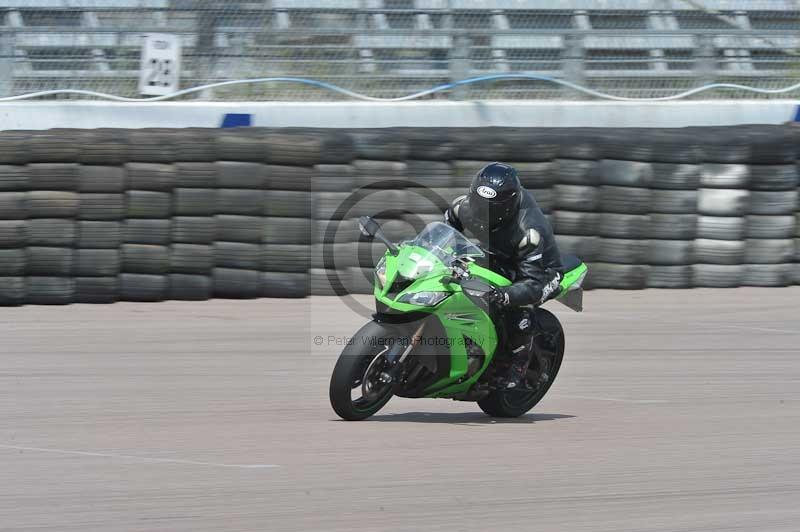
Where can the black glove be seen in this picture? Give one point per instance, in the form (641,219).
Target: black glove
(497,297)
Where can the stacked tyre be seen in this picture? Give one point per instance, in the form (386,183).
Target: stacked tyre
(770,226)
(747,205)
(39,204)
(673,224)
(577,207)
(334,231)
(371,184)
(145,215)
(148,215)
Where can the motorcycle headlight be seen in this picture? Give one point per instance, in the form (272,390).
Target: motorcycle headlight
(424,299)
(380,272)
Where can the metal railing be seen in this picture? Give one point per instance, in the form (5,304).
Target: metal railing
(390,48)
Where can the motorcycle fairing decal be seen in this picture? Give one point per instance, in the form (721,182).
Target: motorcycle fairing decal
(466,318)
(550,287)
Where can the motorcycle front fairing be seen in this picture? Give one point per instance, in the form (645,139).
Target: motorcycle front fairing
(413,283)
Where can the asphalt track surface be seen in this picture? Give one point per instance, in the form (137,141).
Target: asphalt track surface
(674,411)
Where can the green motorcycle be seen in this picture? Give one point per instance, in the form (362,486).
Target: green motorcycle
(434,335)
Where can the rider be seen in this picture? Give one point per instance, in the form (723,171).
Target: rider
(519,241)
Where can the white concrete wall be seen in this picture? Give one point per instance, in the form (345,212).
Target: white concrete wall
(45,115)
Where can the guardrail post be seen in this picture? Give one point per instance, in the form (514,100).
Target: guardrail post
(705,60)
(460,64)
(205,51)
(6,63)
(573,65)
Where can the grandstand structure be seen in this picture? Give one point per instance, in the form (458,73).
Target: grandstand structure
(390,48)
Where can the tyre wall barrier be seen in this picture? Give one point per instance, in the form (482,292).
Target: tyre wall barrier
(97,216)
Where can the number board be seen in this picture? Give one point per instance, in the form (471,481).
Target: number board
(161,64)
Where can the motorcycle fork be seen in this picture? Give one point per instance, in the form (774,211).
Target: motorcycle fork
(396,358)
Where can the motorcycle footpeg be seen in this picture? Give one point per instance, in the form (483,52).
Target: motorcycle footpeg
(502,387)
(520,389)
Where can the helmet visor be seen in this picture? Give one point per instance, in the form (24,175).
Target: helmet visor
(491,214)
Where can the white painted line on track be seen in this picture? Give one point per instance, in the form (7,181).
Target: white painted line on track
(705,325)
(760,329)
(612,399)
(131,457)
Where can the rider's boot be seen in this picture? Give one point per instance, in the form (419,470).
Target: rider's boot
(515,378)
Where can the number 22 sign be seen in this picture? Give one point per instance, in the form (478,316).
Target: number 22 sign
(161,63)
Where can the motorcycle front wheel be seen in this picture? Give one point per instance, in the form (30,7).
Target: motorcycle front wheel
(356,390)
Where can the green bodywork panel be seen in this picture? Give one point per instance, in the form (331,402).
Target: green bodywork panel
(459,316)
(488,275)
(571,278)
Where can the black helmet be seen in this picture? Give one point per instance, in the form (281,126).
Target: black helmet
(494,197)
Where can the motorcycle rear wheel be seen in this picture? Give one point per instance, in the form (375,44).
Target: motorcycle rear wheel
(551,345)
(358,368)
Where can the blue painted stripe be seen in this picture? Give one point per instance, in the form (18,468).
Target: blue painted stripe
(237,120)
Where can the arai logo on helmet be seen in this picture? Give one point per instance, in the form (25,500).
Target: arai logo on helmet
(486,192)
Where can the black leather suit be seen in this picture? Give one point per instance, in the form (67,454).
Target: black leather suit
(531,260)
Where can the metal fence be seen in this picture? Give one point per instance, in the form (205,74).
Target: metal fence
(390,48)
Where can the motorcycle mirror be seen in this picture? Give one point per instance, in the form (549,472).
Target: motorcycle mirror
(368,226)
